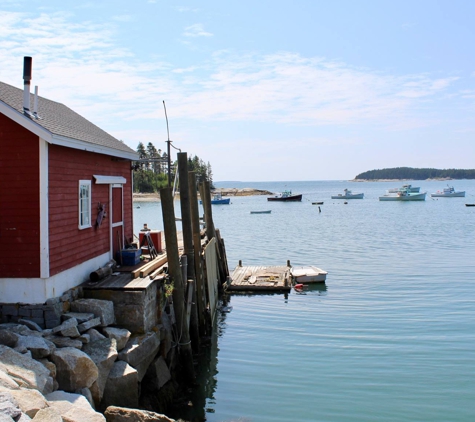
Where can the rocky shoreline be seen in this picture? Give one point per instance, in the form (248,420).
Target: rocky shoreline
(82,370)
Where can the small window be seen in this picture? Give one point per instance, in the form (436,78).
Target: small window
(84,204)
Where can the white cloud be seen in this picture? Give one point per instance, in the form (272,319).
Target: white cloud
(81,65)
(196,30)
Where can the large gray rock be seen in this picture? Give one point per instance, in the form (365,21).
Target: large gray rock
(6,381)
(49,365)
(66,325)
(122,414)
(103,353)
(62,342)
(158,373)
(75,369)
(29,401)
(30,324)
(8,338)
(48,415)
(94,334)
(80,317)
(38,346)
(9,406)
(122,386)
(140,348)
(73,407)
(121,335)
(20,329)
(100,308)
(87,325)
(26,372)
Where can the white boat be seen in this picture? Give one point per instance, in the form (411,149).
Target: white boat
(348,195)
(404,194)
(448,192)
(309,274)
(410,188)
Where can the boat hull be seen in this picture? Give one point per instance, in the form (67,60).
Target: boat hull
(448,195)
(307,275)
(409,197)
(353,196)
(261,212)
(292,198)
(219,201)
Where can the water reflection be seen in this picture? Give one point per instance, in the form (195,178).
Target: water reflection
(319,289)
(201,398)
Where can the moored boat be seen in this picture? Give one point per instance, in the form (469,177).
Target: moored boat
(448,192)
(286,195)
(308,274)
(348,195)
(219,200)
(404,194)
(410,188)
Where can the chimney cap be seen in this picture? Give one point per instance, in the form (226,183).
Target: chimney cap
(27,60)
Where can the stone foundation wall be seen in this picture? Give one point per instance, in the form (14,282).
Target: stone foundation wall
(46,315)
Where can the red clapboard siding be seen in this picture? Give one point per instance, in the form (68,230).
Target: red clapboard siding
(70,246)
(19,201)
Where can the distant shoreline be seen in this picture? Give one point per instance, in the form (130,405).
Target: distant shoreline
(402,180)
(155,197)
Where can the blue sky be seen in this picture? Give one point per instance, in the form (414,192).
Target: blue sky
(263,90)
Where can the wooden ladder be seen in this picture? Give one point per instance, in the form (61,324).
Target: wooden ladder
(148,242)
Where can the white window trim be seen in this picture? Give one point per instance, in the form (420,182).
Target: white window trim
(108,180)
(84,183)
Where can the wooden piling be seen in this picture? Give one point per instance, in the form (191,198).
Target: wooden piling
(188,244)
(171,243)
(211,232)
(195,225)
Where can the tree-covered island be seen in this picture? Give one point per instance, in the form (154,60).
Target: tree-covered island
(409,173)
(151,171)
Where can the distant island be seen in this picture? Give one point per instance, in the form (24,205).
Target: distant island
(409,173)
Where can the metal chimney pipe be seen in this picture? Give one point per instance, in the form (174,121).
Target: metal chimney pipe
(26,78)
(35,103)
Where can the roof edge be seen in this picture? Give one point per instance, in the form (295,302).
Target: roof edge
(87,146)
(49,137)
(25,121)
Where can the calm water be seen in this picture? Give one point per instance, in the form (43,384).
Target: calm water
(391,337)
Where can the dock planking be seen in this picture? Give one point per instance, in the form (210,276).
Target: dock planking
(260,278)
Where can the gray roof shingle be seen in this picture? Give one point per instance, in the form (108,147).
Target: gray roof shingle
(61,120)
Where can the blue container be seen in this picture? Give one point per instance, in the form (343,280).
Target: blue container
(130,257)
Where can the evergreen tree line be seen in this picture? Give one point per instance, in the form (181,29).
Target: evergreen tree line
(416,174)
(151,174)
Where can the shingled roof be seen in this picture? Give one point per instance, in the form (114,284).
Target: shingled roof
(64,124)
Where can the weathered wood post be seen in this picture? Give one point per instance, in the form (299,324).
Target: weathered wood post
(188,244)
(206,200)
(171,243)
(211,232)
(195,225)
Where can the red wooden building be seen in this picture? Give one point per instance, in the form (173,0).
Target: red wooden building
(57,172)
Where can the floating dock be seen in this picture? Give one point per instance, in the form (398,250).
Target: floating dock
(260,278)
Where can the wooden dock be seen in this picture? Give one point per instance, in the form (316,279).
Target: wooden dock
(260,278)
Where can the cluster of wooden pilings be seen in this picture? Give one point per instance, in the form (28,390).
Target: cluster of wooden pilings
(194,290)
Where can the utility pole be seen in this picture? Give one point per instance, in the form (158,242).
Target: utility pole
(168,149)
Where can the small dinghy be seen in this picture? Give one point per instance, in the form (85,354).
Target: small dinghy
(309,274)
